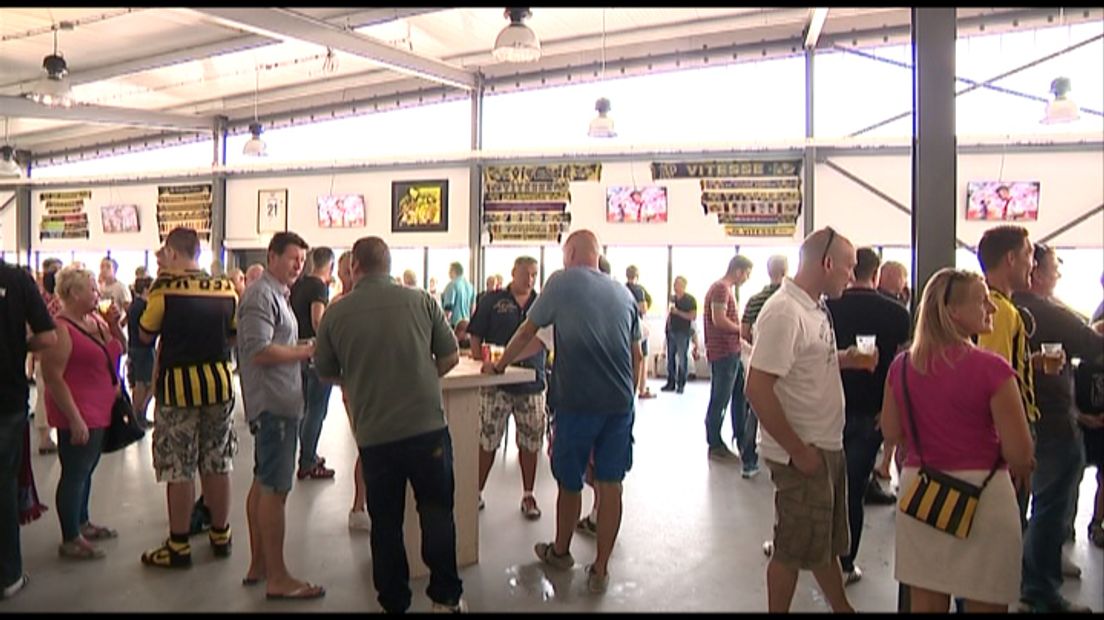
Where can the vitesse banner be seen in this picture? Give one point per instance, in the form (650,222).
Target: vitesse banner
(187,206)
(529,203)
(493,175)
(65,217)
(722,169)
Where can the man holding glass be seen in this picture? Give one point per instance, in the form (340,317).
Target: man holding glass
(877,324)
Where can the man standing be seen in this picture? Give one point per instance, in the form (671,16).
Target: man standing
(194,315)
(401,433)
(726,369)
(893,282)
(494,284)
(1006,257)
(21,306)
(110,287)
(598,361)
(795,387)
(643,302)
(458,298)
(1059,454)
(496,319)
(777,266)
(272,384)
(309,296)
(861,310)
(683,311)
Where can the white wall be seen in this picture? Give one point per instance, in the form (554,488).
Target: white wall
(303,192)
(8,223)
(686,223)
(145,196)
(1071,184)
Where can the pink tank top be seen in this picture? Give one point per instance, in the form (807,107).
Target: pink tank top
(87,376)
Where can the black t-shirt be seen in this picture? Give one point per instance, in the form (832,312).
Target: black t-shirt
(497,316)
(865,311)
(677,324)
(134,317)
(640,294)
(307,290)
(20,305)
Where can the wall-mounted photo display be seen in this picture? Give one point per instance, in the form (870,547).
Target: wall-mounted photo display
(187,206)
(272,213)
(419,206)
(64,217)
(341,211)
(120,218)
(636,205)
(538,221)
(529,202)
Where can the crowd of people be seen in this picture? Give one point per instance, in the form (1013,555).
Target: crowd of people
(989,395)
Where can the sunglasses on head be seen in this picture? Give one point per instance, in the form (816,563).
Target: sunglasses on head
(828,246)
(955,275)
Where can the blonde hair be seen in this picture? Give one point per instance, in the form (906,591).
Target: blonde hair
(70,279)
(936,331)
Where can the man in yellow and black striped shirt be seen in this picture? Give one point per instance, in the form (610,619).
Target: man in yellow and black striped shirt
(193,313)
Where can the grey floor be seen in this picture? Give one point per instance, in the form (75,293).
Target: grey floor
(690,540)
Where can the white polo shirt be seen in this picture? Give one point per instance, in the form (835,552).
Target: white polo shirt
(794,340)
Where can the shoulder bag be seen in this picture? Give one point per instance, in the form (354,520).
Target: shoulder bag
(124,429)
(942,501)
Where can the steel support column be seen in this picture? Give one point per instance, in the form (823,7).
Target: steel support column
(475,187)
(809,165)
(933,140)
(23,222)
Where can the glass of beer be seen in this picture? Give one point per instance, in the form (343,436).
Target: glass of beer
(496,353)
(1052,357)
(866,346)
(104,306)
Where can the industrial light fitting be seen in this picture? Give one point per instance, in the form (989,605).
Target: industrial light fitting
(602,125)
(517,42)
(255,147)
(9,168)
(53,89)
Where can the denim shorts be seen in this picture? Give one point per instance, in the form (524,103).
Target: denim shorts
(577,435)
(140,364)
(275,439)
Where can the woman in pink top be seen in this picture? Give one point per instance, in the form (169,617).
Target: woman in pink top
(969,416)
(80,393)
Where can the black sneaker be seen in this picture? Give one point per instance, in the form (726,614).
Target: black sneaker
(670,387)
(679,389)
(875,494)
(201,518)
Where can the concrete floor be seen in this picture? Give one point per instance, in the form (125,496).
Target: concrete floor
(690,540)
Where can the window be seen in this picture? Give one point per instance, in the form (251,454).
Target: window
(701,266)
(1080,284)
(500,260)
(90,260)
(845,99)
(553,261)
(395,132)
(759,256)
(65,257)
(651,261)
(197,154)
(412,259)
(900,255)
(439,261)
(965,259)
(128,261)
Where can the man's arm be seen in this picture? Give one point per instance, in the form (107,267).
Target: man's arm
(256,327)
(42,329)
(638,362)
(42,340)
(316,309)
(517,345)
(721,321)
(447,363)
(761,396)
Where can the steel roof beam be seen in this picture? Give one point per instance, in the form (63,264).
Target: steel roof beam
(21,107)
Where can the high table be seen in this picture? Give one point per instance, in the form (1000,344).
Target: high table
(460,388)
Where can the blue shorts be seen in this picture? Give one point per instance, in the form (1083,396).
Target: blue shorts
(578,435)
(275,439)
(140,362)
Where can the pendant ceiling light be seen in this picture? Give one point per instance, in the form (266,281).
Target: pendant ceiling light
(9,168)
(255,147)
(53,89)
(602,125)
(517,42)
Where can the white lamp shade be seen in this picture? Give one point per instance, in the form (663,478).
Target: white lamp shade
(9,169)
(255,147)
(52,92)
(1062,110)
(517,43)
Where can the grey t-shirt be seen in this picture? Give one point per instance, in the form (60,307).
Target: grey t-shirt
(381,340)
(265,317)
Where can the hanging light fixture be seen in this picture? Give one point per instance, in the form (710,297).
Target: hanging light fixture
(517,42)
(9,168)
(602,125)
(53,89)
(1062,109)
(255,147)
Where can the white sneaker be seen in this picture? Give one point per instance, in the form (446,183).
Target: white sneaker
(1069,569)
(359,520)
(14,588)
(441,608)
(852,576)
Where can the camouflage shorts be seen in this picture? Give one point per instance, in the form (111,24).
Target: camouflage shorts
(495,407)
(185,439)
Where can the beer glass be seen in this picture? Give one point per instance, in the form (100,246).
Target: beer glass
(1052,357)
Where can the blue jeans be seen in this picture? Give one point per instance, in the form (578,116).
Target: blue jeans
(727,388)
(1059,463)
(75,484)
(13,425)
(678,347)
(426,462)
(861,441)
(316,398)
(274,439)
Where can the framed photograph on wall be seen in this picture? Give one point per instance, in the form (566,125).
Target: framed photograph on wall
(272,214)
(419,206)
(120,218)
(341,211)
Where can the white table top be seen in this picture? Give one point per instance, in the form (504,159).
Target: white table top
(467,374)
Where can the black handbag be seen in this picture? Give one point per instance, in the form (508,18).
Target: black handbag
(942,501)
(124,429)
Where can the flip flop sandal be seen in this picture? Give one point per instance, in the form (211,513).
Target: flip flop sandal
(98,532)
(76,551)
(252,581)
(306,592)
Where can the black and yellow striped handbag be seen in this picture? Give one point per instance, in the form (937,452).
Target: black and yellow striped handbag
(942,501)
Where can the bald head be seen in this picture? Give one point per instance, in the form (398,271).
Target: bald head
(582,250)
(827,263)
(893,278)
(371,256)
(253,273)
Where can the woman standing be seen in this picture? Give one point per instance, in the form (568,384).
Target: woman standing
(966,408)
(80,393)
(358,515)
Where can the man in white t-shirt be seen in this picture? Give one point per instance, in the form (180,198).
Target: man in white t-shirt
(794,386)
